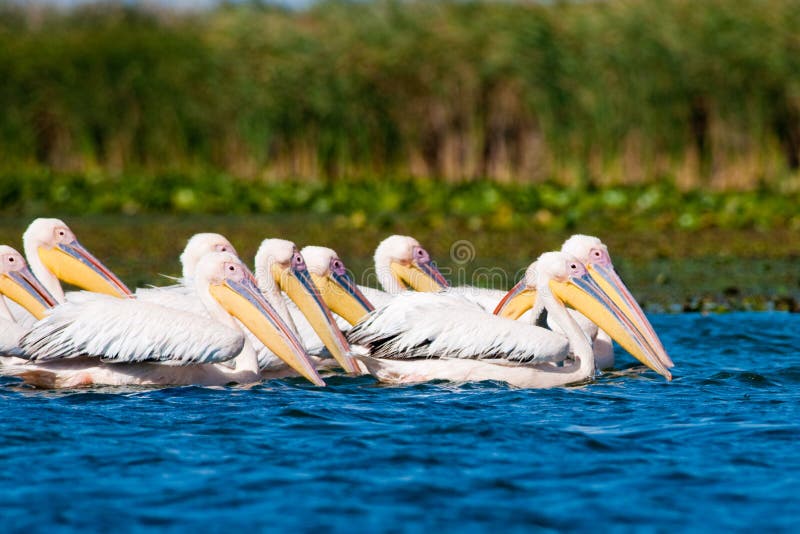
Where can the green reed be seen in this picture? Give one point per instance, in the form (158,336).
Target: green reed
(697,94)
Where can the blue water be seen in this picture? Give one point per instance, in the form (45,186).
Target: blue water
(719,447)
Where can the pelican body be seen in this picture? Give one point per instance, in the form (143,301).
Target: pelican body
(594,255)
(128,342)
(410,342)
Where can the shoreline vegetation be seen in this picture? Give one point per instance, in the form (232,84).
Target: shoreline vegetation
(705,270)
(700,95)
(482,205)
(670,129)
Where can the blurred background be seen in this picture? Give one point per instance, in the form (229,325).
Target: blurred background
(670,128)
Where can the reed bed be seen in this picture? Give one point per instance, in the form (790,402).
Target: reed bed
(702,95)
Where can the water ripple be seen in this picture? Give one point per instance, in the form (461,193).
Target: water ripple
(715,448)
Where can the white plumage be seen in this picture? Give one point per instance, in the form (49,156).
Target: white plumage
(128,331)
(183,297)
(426,325)
(10,334)
(419,337)
(123,337)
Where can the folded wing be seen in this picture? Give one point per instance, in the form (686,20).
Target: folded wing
(425,325)
(125,331)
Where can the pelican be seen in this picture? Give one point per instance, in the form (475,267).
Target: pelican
(18,284)
(593,253)
(421,337)
(54,254)
(279,266)
(183,298)
(401,263)
(108,341)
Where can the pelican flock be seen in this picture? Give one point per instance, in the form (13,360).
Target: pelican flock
(301,313)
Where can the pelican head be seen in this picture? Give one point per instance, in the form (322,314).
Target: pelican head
(234,288)
(594,254)
(400,262)
(279,263)
(562,275)
(198,246)
(18,283)
(335,284)
(54,254)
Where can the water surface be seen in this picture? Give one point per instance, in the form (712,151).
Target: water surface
(715,448)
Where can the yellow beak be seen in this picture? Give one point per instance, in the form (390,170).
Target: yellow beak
(297,283)
(244,301)
(419,276)
(586,296)
(607,278)
(343,296)
(73,264)
(24,288)
(517,301)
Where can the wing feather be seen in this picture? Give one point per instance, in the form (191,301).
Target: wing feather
(177,297)
(120,330)
(424,325)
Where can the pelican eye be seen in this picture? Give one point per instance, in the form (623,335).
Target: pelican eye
(11,259)
(337,267)
(421,255)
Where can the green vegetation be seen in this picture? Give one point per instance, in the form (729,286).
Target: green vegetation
(703,270)
(481,205)
(671,129)
(694,94)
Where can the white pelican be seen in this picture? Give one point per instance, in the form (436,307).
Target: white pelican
(421,337)
(18,284)
(280,266)
(183,298)
(54,254)
(594,255)
(402,263)
(106,341)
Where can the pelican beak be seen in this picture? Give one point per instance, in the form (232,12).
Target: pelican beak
(586,296)
(608,279)
(420,275)
(296,281)
(72,263)
(342,296)
(520,299)
(25,289)
(244,301)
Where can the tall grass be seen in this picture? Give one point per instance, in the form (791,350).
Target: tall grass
(704,94)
